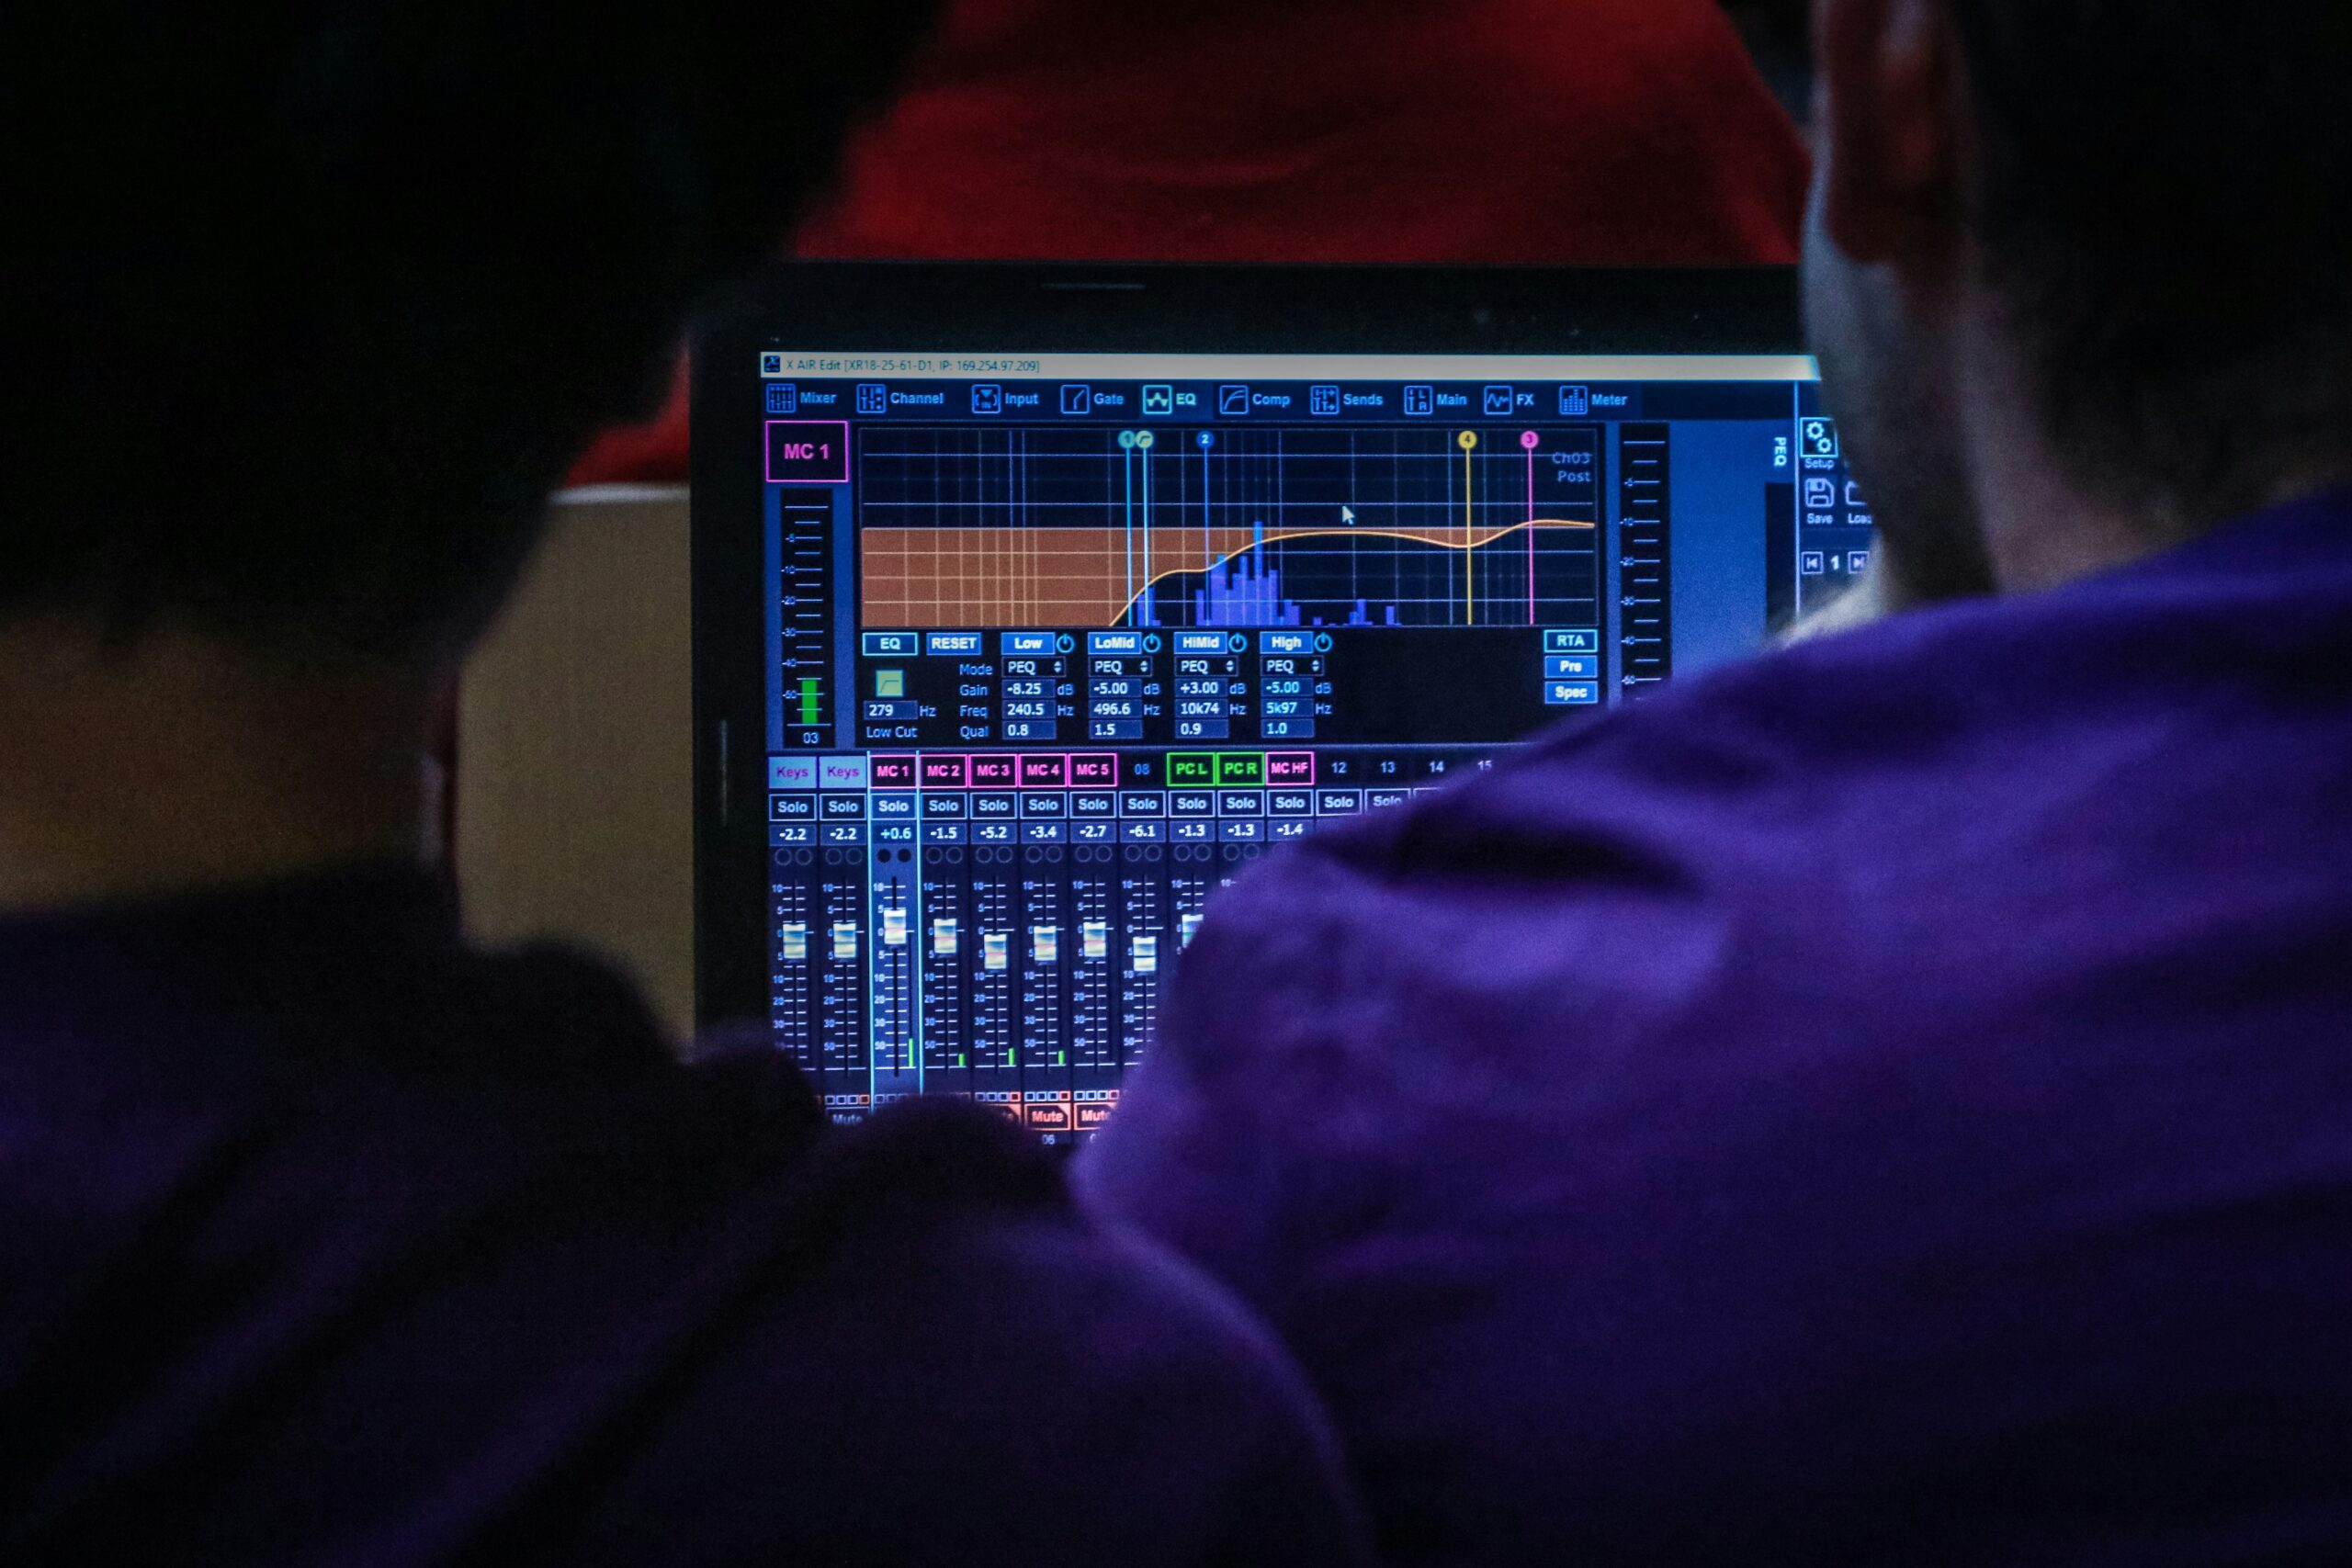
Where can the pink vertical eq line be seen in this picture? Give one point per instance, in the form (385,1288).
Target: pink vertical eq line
(1531,441)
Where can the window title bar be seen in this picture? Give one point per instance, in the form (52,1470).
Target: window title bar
(1302,366)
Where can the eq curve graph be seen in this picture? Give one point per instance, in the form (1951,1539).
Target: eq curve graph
(1285,527)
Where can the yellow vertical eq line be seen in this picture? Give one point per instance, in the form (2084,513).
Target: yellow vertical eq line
(1469,532)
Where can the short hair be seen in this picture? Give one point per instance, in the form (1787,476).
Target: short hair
(311,305)
(2166,200)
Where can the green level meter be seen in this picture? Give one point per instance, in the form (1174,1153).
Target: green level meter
(1244,770)
(808,703)
(1192,770)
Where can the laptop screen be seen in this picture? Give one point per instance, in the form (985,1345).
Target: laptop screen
(1055,644)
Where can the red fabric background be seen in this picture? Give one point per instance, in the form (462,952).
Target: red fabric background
(1564,132)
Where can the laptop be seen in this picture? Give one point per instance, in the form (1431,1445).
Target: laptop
(1032,604)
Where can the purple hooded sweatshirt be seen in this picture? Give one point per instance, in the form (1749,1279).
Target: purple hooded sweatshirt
(326,1240)
(1889,1103)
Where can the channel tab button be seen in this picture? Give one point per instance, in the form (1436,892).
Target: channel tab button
(1045,772)
(844,773)
(1246,770)
(1290,768)
(1192,768)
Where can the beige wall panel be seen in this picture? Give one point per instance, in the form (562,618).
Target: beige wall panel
(576,776)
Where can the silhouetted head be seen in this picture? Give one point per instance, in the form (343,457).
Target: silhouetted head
(309,306)
(2081,248)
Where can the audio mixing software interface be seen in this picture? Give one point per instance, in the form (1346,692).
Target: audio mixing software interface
(1057,644)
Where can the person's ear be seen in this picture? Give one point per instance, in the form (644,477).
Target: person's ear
(1889,113)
